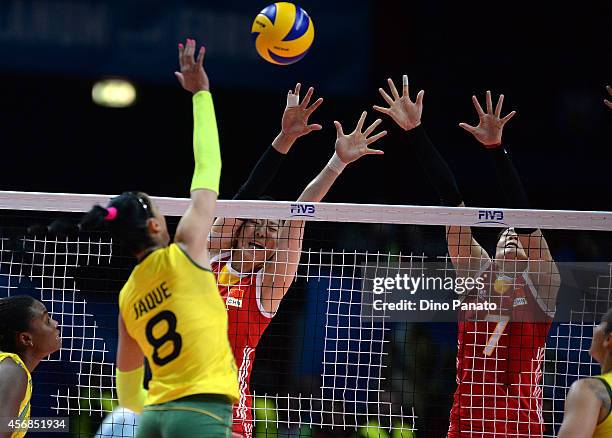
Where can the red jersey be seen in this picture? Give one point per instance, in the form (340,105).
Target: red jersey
(499,360)
(247,320)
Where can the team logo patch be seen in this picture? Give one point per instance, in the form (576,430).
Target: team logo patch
(234,297)
(519,301)
(503,284)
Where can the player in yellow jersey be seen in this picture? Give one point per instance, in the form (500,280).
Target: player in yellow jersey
(588,407)
(28,334)
(171,312)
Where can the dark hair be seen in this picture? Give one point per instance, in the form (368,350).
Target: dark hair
(499,234)
(127,223)
(607,318)
(15,316)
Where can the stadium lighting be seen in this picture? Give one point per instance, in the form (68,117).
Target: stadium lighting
(113,93)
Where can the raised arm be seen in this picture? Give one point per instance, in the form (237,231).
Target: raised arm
(279,272)
(543,270)
(294,124)
(194,226)
(466,254)
(606,101)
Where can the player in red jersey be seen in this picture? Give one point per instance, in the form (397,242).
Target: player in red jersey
(500,353)
(256,260)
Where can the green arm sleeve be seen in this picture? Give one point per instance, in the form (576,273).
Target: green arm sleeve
(206,150)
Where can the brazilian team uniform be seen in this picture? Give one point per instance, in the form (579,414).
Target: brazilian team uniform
(604,429)
(172,308)
(24,406)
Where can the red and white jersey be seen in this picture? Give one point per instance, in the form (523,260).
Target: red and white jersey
(247,321)
(499,360)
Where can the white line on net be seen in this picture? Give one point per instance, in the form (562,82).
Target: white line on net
(365,213)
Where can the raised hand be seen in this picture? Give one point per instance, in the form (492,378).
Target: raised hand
(405,112)
(192,76)
(355,145)
(606,101)
(295,118)
(490,124)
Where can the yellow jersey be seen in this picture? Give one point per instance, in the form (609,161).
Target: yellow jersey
(24,406)
(604,429)
(172,308)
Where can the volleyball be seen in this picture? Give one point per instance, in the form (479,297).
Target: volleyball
(283,33)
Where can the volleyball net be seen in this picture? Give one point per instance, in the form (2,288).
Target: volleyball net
(344,355)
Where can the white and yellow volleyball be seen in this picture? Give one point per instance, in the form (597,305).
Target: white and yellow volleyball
(283,33)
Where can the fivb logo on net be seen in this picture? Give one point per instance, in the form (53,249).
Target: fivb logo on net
(302,210)
(491,217)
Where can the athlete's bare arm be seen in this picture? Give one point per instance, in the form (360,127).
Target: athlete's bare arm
(129,354)
(13,385)
(294,124)
(587,404)
(280,271)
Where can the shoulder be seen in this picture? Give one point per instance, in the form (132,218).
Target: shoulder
(589,388)
(12,373)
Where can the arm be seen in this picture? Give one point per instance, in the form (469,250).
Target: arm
(606,101)
(13,385)
(130,371)
(466,254)
(489,134)
(194,226)
(279,272)
(582,409)
(294,125)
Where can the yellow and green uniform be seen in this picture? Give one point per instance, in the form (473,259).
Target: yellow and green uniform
(173,309)
(24,406)
(604,429)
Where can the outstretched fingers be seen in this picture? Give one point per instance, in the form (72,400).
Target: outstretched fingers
(419,98)
(339,131)
(314,106)
(181,53)
(375,138)
(477,106)
(385,96)
(405,89)
(372,127)
(314,127)
(489,103)
(508,117)
(361,121)
(381,109)
(189,52)
(394,92)
(498,107)
(200,59)
(307,97)
(469,128)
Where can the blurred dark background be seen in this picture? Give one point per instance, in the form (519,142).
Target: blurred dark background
(551,62)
